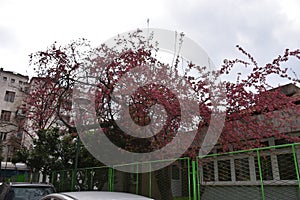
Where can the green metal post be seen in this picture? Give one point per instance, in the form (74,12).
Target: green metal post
(53,174)
(85,176)
(62,173)
(92,177)
(198,177)
(110,177)
(260,176)
(189,178)
(76,163)
(137,179)
(150,180)
(73,180)
(194,180)
(296,165)
(113,180)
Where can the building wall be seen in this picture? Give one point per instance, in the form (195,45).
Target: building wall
(13,87)
(285,192)
(240,177)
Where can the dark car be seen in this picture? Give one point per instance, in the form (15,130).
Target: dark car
(25,191)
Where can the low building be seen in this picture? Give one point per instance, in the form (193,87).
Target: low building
(268,172)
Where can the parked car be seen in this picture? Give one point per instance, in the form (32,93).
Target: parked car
(94,195)
(25,191)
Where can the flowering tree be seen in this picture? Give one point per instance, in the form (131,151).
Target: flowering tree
(249,101)
(254,109)
(49,100)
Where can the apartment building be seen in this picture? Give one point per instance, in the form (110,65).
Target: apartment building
(13,89)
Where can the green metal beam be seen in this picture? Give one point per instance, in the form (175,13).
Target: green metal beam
(296,165)
(137,179)
(110,179)
(189,179)
(251,150)
(150,180)
(260,176)
(194,180)
(198,178)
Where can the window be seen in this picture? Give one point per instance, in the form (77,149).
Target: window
(20,113)
(30,192)
(5,115)
(3,136)
(26,89)
(224,170)
(281,141)
(175,172)
(10,96)
(286,165)
(242,171)
(266,168)
(208,171)
(4,78)
(20,82)
(19,134)
(264,143)
(12,80)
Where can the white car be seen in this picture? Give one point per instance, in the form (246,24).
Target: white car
(94,195)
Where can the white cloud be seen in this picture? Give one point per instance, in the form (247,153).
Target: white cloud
(264,27)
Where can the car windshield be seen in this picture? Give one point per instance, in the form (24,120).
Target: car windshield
(30,193)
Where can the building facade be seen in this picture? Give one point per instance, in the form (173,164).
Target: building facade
(269,172)
(13,89)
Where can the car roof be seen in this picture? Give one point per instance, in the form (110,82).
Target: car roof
(25,184)
(99,195)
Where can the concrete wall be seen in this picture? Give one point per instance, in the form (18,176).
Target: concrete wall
(251,192)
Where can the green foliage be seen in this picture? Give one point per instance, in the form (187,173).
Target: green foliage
(54,151)
(20,156)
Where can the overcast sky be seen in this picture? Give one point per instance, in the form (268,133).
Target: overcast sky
(263,27)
